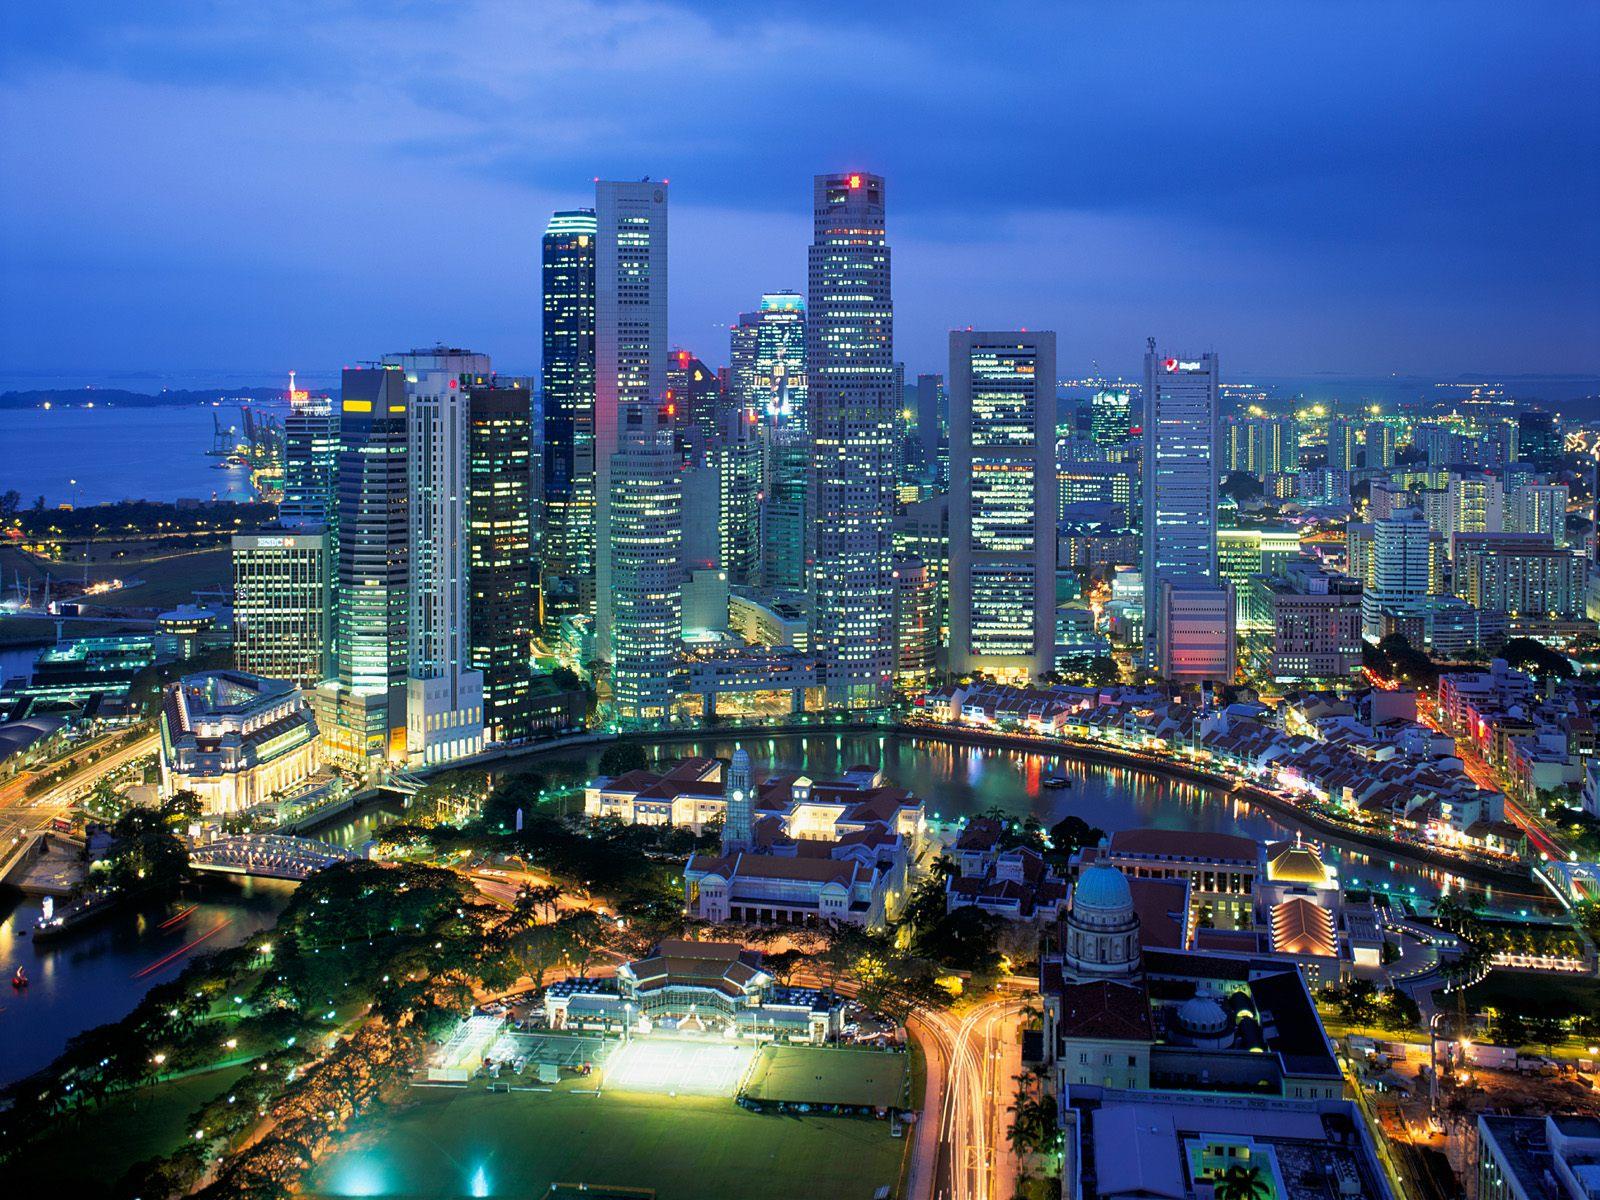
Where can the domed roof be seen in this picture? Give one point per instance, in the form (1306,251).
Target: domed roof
(1202,1016)
(1101,887)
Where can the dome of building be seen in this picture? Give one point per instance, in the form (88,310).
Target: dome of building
(1202,1017)
(1101,927)
(1102,888)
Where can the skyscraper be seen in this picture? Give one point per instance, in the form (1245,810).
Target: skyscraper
(647,575)
(933,420)
(777,400)
(444,700)
(310,464)
(630,344)
(779,381)
(501,567)
(282,602)
(853,402)
(744,337)
(694,396)
(361,710)
(568,512)
(1110,416)
(1180,482)
(1002,503)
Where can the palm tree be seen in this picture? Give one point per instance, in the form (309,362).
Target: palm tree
(1240,1183)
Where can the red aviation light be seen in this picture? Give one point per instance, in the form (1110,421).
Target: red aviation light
(855,181)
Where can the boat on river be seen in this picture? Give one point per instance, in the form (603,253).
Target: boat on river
(20,979)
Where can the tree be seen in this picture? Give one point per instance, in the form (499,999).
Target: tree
(966,940)
(622,757)
(1536,658)
(1071,834)
(1033,1122)
(1240,1182)
(1241,486)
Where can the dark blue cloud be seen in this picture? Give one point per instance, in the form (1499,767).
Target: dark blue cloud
(1362,187)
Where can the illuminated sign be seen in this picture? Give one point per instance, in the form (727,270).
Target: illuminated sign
(1179,364)
(855,181)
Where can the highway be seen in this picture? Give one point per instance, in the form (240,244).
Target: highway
(21,815)
(981,1056)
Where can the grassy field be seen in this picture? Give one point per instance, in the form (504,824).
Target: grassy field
(453,1142)
(167,577)
(141,1124)
(817,1075)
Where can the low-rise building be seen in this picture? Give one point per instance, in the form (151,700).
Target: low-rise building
(236,740)
(696,987)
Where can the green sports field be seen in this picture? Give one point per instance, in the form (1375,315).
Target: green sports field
(820,1075)
(448,1142)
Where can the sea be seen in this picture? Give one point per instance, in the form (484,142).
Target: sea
(79,455)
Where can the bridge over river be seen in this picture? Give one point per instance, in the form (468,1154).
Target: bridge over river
(268,855)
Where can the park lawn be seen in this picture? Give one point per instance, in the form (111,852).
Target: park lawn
(166,580)
(1528,993)
(452,1142)
(84,1156)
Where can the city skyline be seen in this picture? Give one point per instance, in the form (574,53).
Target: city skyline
(1429,178)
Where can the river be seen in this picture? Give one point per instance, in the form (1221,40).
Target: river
(94,977)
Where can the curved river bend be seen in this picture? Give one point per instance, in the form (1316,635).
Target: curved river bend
(98,976)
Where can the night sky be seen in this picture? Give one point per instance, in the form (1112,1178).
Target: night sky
(1356,188)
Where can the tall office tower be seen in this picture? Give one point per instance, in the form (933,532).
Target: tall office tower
(566,542)
(361,709)
(916,623)
(1343,447)
(503,599)
(1002,503)
(1539,438)
(310,464)
(735,456)
(630,345)
(647,574)
(853,403)
(1538,508)
(282,593)
(1378,440)
(933,420)
(779,381)
(744,338)
(1111,416)
(1400,574)
(444,694)
(1180,482)
(694,396)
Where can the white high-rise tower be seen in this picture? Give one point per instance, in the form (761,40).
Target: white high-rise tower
(1180,486)
(444,696)
(630,345)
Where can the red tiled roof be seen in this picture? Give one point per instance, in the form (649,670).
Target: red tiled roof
(1106,1011)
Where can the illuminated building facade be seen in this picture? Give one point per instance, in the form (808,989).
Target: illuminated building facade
(567,537)
(694,396)
(647,578)
(361,710)
(310,465)
(1400,573)
(854,409)
(444,695)
(1180,482)
(1002,503)
(916,624)
(630,345)
(1111,416)
(282,604)
(501,568)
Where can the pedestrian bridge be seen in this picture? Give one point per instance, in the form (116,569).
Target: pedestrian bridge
(269,856)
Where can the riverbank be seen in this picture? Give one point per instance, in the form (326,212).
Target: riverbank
(1480,871)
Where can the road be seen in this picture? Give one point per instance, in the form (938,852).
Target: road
(1478,771)
(982,1055)
(21,815)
